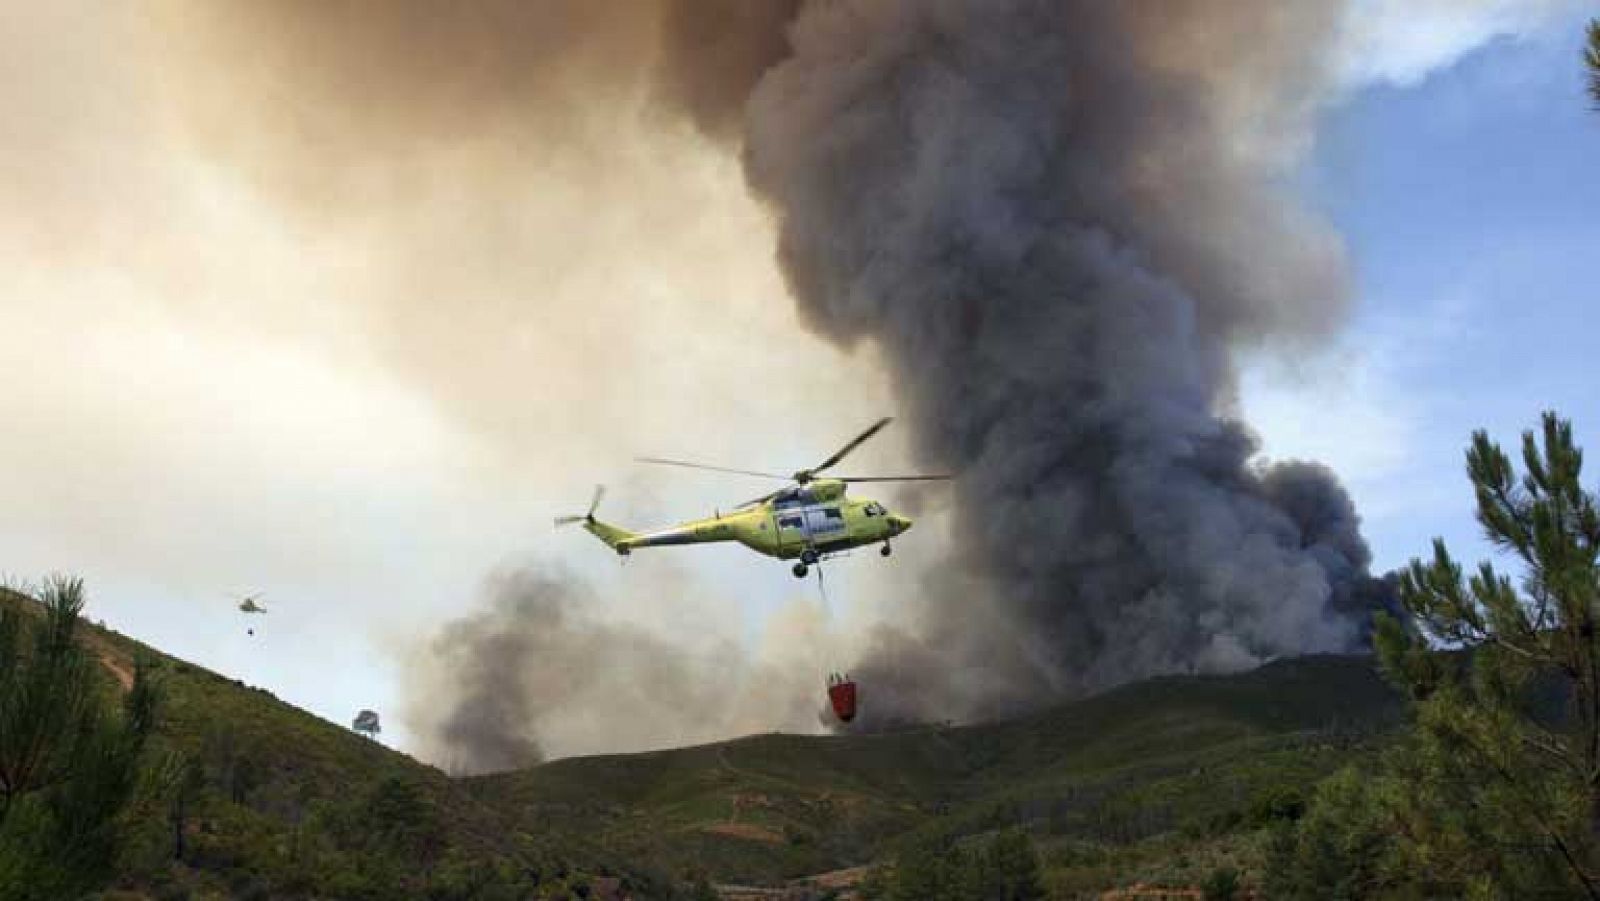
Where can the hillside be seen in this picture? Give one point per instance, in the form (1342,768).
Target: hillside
(1196,761)
(1157,781)
(287,804)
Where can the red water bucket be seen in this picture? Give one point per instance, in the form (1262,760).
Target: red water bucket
(842,695)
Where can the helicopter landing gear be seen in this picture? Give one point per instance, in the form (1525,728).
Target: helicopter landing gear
(809,557)
(800,570)
(886,550)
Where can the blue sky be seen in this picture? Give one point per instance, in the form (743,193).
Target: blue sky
(1469,205)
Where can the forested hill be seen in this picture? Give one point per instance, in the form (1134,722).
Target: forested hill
(1115,782)
(1162,781)
(279,803)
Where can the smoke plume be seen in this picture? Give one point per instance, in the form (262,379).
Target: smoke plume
(1058,220)
(1054,221)
(535,669)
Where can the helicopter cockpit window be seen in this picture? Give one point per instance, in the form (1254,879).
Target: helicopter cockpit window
(874,509)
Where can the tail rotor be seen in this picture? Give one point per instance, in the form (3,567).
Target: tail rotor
(594,504)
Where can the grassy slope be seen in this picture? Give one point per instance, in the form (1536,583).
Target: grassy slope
(1197,756)
(300,765)
(1157,780)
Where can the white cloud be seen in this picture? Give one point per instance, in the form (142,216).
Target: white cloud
(1402,42)
(1342,409)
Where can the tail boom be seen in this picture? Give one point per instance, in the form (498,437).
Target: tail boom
(717,528)
(615,537)
(625,542)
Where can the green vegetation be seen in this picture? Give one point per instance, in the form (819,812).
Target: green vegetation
(239,795)
(1006,869)
(1523,724)
(1591,56)
(1171,782)
(70,756)
(1164,782)
(1494,791)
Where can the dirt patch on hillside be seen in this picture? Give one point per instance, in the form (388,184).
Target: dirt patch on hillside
(121,673)
(746,831)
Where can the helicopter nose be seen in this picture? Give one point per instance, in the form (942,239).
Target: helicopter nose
(899,524)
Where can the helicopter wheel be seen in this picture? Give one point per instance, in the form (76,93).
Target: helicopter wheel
(808,557)
(800,570)
(886,550)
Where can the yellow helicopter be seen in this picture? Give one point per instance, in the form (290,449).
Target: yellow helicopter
(810,520)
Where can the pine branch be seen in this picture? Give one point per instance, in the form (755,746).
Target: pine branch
(1591,56)
(1591,887)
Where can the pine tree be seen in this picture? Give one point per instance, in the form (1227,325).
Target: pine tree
(1221,885)
(185,779)
(918,874)
(1006,869)
(70,760)
(1341,850)
(1591,55)
(1013,868)
(1502,772)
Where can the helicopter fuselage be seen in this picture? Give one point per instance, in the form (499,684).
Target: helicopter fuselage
(811,519)
(807,521)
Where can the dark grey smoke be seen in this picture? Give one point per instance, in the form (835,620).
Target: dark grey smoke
(537,668)
(1058,220)
(487,725)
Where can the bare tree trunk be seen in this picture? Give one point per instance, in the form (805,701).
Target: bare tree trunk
(179,816)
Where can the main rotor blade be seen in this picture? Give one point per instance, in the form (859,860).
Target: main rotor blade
(859,439)
(895,478)
(599,494)
(569,520)
(687,465)
(760,500)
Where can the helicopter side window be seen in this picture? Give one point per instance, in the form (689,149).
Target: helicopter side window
(789,522)
(833,514)
(874,509)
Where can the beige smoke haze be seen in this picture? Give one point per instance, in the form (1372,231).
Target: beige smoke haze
(507,186)
(347,303)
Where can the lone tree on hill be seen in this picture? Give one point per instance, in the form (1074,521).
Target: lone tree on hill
(1507,739)
(366,722)
(70,760)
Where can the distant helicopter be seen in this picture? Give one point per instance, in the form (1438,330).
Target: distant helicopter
(811,519)
(249,603)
